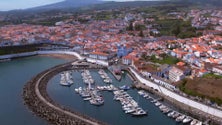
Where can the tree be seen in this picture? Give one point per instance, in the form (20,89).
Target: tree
(130,27)
(176,31)
(141,33)
(139,27)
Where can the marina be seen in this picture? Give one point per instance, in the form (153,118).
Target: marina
(143,112)
(92,94)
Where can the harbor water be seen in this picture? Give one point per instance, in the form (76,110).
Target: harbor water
(13,76)
(111,111)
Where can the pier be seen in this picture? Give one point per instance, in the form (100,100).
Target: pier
(117,77)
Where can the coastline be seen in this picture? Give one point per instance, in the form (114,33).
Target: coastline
(60,56)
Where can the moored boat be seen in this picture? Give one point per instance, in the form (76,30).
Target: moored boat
(125,87)
(87,99)
(66,79)
(175,115)
(187,119)
(195,122)
(170,114)
(180,118)
(139,112)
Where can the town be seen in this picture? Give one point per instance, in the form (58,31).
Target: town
(173,50)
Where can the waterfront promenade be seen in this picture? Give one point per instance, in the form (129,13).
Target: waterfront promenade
(37,99)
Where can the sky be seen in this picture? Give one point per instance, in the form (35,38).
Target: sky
(6,5)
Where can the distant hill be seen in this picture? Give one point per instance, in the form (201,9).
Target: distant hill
(128,4)
(215,3)
(67,4)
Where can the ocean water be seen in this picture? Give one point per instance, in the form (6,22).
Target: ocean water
(13,76)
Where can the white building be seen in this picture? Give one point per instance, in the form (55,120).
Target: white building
(100,55)
(217,69)
(163,82)
(176,74)
(127,60)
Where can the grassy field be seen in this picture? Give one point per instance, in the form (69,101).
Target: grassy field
(166,60)
(212,76)
(204,88)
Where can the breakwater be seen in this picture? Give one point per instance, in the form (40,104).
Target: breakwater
(38,101)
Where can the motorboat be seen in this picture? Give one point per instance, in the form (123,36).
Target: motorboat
(87,99)
(195,122)
(157,104)
(170,114)
(125,87)
(175,115)
(187,119)
(139,112)
(180,118)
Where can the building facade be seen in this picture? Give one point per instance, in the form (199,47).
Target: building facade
(217,69)
(176,74)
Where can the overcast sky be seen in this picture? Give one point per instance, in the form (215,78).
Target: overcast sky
(23,4)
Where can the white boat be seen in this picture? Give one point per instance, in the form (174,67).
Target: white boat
(87,99)
(195,122)
(139,112)
(141,92)
(96,102)
(76,90)
(180,118)
(157,104)
(154,101)
(66,79)
(187,119)
(166,110)
(130,110)
(175,115)
(107,80)
(171,114)
(199,123)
